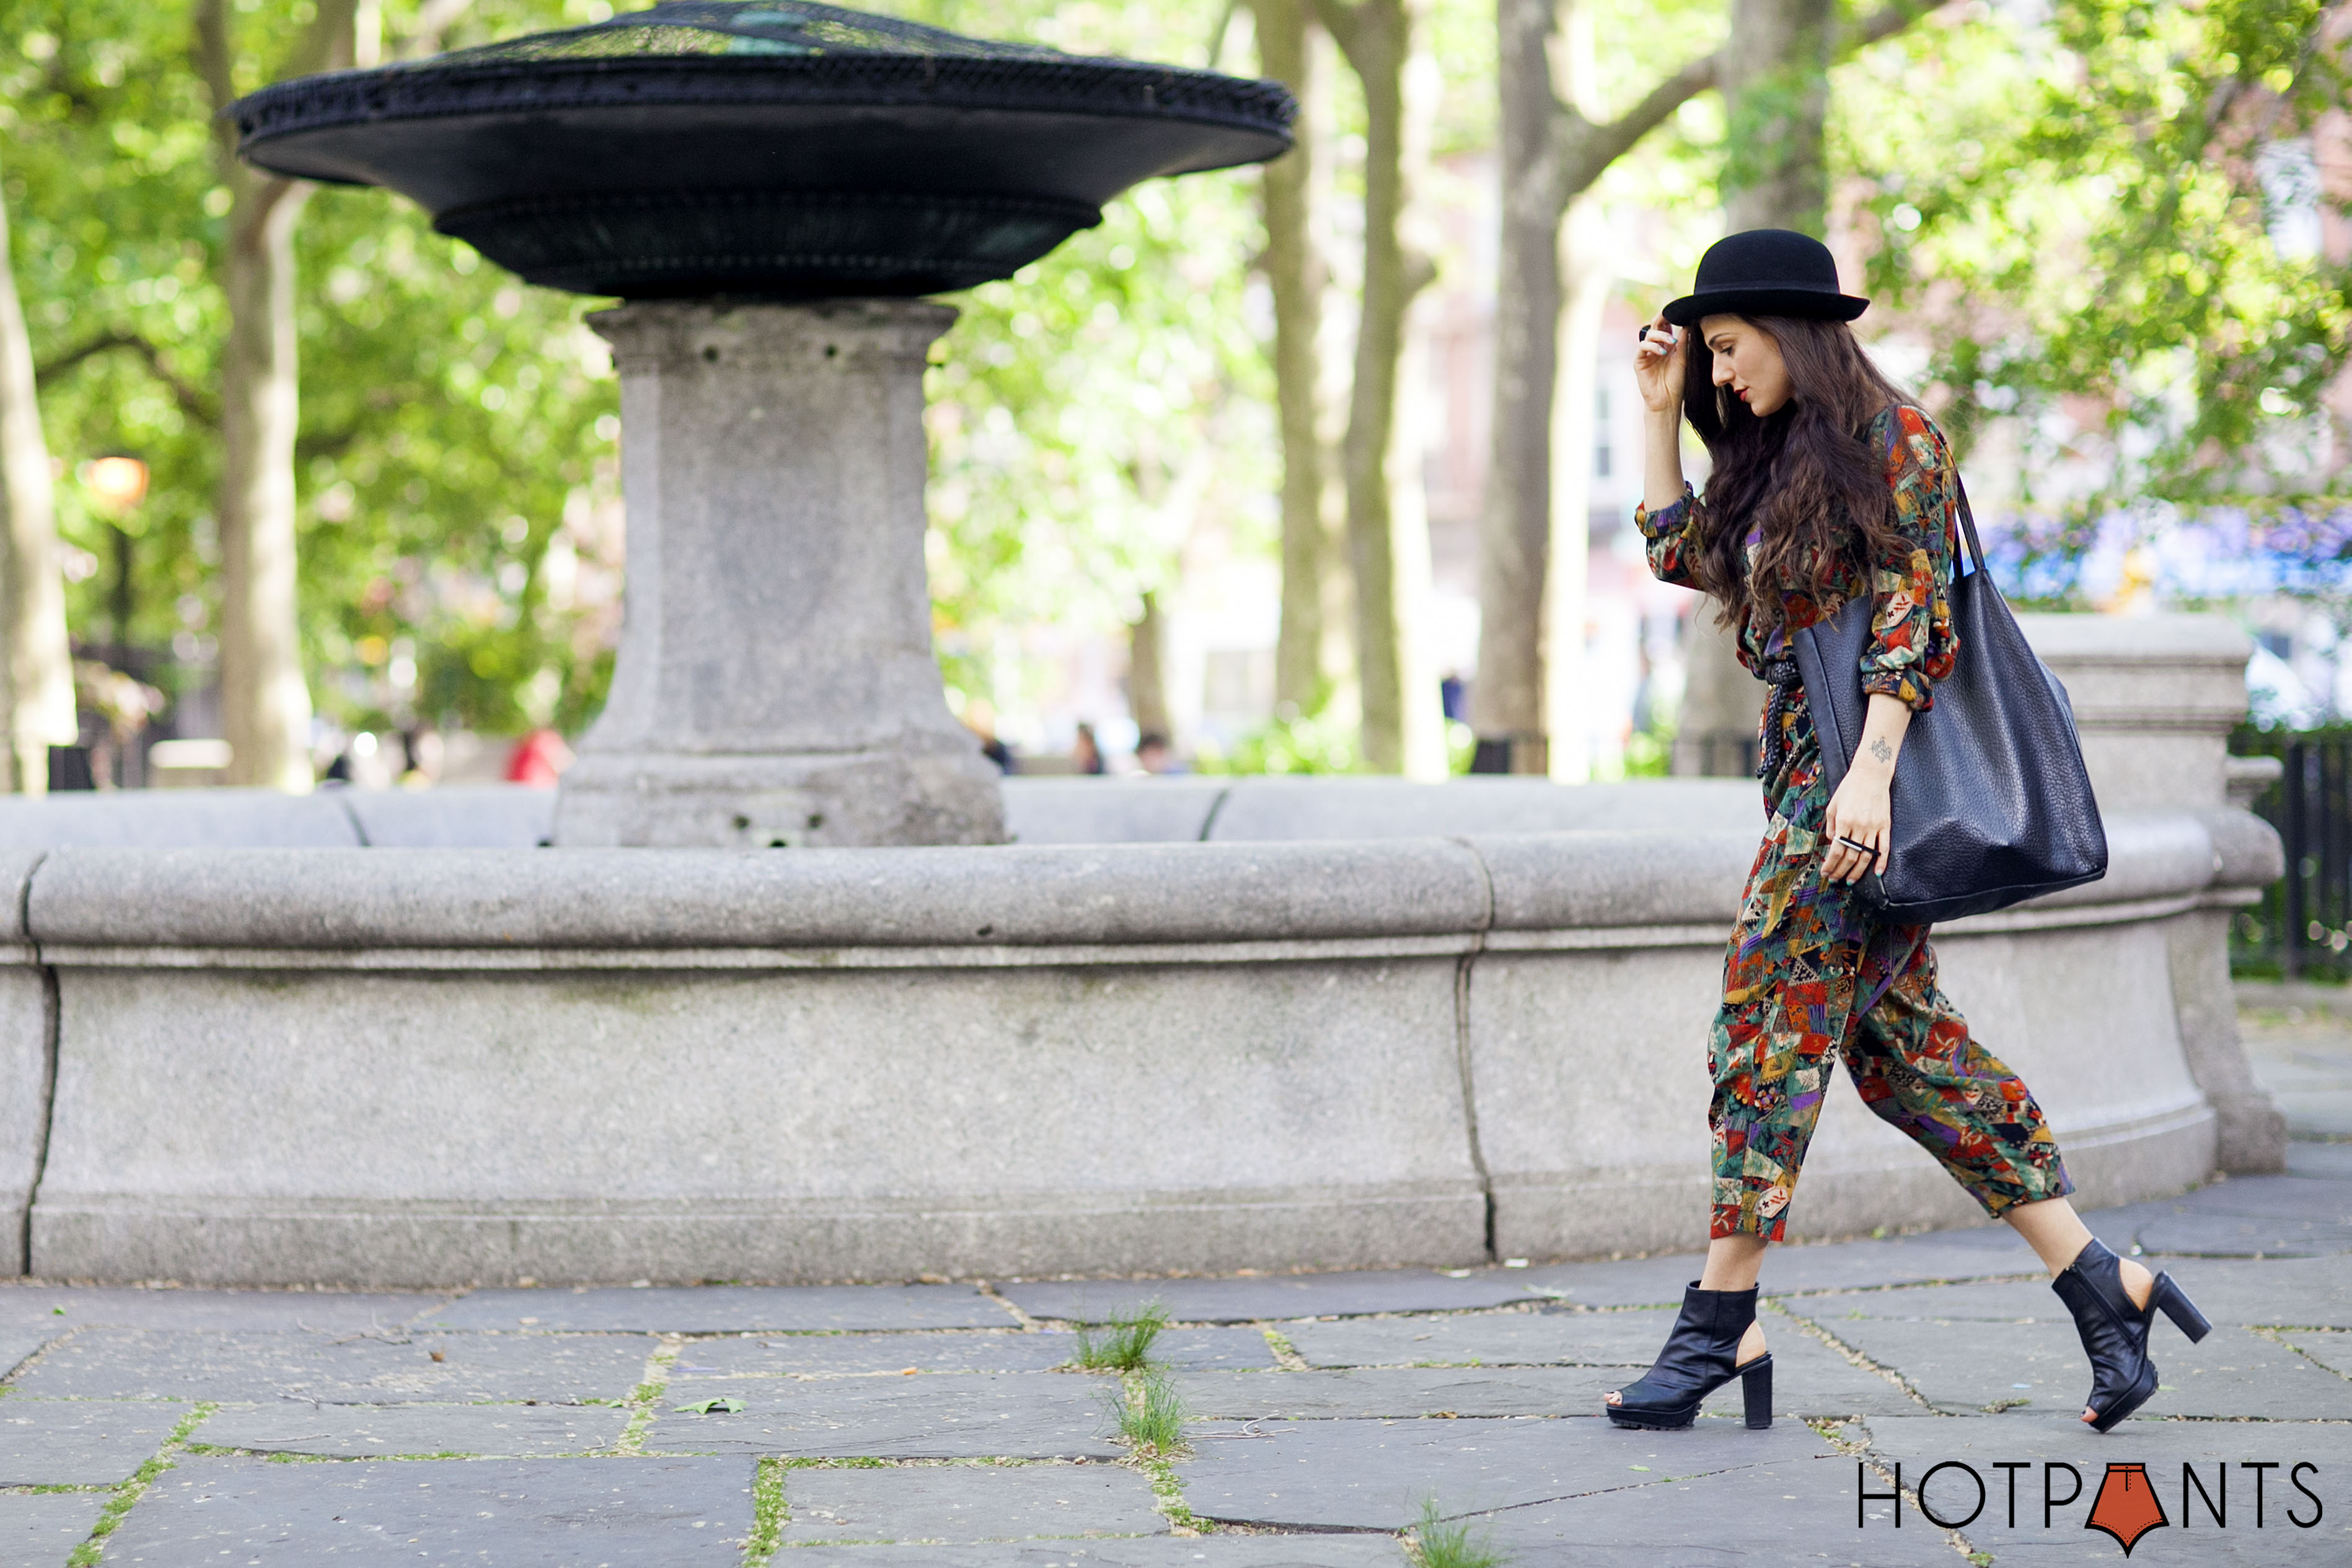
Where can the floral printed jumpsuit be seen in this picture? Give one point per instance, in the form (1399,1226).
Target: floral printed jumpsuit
(1813,969)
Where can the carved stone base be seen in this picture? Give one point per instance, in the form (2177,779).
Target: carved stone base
(780,802)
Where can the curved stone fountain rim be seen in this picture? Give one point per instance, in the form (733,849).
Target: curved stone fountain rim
(1643,882)
(1079,84)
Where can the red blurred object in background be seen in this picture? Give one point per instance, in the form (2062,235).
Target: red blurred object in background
(539,759)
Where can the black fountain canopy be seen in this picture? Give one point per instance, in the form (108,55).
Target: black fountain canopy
(763,148)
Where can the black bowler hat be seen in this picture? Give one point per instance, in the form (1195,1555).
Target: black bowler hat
(1767,272)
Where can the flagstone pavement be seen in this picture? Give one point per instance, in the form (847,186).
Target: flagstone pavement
(940,1425)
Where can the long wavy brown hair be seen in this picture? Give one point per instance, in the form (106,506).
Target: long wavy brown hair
(1804,472)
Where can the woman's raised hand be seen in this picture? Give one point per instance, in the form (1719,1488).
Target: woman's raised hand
(1658,367)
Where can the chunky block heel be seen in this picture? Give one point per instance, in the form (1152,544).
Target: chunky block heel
(1755,1389)
(2174,1302)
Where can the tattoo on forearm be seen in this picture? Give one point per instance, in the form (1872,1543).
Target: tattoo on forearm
(1880,750)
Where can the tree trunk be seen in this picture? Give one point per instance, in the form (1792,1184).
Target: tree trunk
(38,685)
(1714,734)
(1147,673)
(1509,702)
(1294,192)
(1585,270)
(1776,92)
(1403,718)
(265,705)
(1553,281)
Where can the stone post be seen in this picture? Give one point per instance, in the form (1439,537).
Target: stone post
(775,684)
(2154,699)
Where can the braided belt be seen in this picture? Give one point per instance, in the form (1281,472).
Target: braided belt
(1787,681)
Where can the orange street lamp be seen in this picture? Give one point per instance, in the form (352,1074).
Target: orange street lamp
(116,483)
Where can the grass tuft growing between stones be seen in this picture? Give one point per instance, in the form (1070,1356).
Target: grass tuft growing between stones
(644,1400)
(769,1514)
(1437,1542)
(87,1555)
(1149,1413)
(1123,1343)
(1168,1490)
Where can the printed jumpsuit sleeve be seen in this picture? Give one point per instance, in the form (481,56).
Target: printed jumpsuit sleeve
(1912,644)
(1670,537)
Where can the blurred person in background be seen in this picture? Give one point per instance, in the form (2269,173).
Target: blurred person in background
(1153,754)
(539,759)
(1086,756)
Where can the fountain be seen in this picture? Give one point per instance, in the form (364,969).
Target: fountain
(769,185)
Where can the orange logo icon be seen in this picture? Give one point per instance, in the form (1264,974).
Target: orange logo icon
(2128,1507)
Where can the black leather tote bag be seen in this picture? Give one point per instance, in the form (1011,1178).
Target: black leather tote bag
(1991,802)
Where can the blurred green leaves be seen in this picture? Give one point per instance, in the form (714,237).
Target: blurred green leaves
(2095,216)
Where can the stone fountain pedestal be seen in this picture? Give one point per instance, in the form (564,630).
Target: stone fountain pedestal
(775,684)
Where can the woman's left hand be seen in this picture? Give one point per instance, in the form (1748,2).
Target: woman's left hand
(1859,813)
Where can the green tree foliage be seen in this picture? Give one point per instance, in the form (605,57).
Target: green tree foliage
(460,460)
(1087,417)
(2078,212)
(1090,415)
(107,180)
(442,401)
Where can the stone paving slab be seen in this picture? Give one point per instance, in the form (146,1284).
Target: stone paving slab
(1972,1254)
(2235,1235)
(2314,1291)
(1269,1297)
(161,1363)
(1992,1302)
(1809,1378)
(2276,1197)
(725,1310)
(1485,1338)
(1201,1349)
(17,1346)
(89,1444)
(53,1308)
(166,1363)
(2038,1438)
(40,1530)
(1397,1391)
(1012,1416)
(837,1355)
(1373,1475)
(2327,1161)
(616,1513)
(2330,1350)
(959,1504)
(382,1431)
(1798,1512)
(550,1368)
(1968,1366)
(829,1355)
(1149,1551)
(2239,1216)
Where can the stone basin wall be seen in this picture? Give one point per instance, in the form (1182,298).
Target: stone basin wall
(1270,1025)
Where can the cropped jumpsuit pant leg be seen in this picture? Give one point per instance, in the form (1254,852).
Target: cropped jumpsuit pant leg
(1813,974)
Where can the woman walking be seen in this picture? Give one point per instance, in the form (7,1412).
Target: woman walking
(1827,484)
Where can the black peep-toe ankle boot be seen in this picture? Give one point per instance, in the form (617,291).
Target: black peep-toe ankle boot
(2115,1332)
(1701,1355)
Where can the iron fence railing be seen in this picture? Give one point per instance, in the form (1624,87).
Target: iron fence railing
(2304,924)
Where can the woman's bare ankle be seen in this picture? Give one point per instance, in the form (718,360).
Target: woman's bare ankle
(2137,1281)
(1752,1344)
